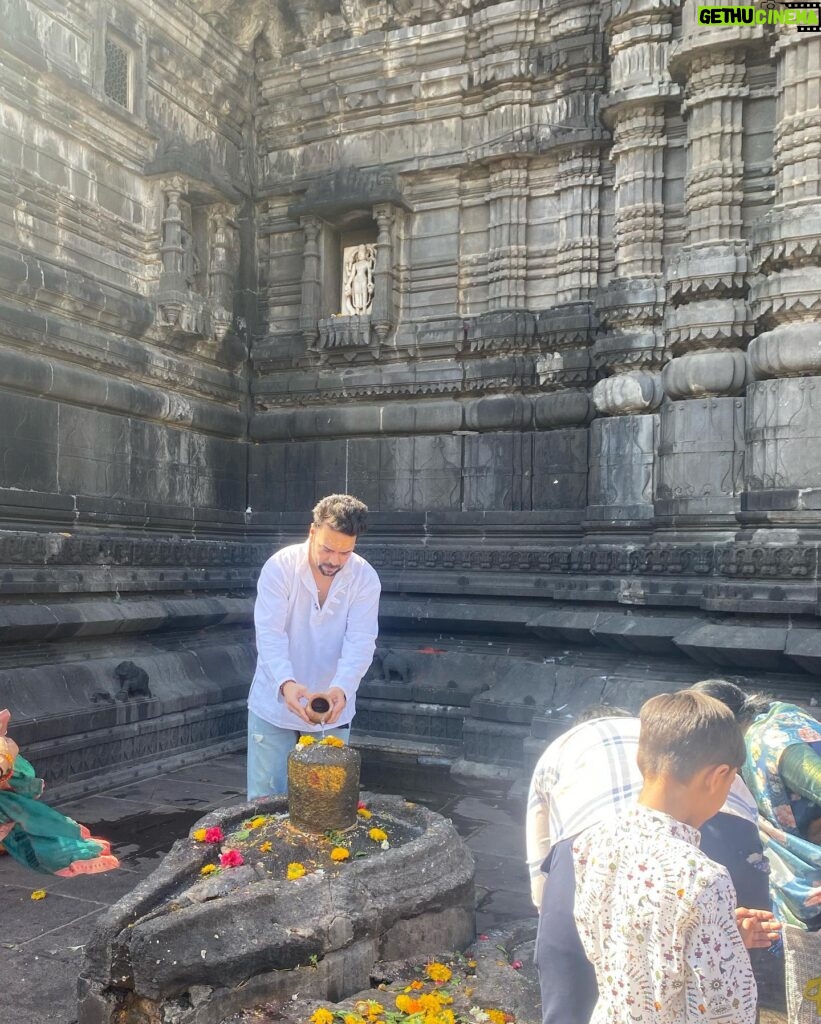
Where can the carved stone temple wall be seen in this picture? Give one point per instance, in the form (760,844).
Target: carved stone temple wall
(539,281)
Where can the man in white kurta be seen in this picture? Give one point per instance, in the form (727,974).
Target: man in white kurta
(316,619)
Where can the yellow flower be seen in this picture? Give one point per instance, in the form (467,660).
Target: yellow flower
(305,741)
(438,972)
(39,894)
(472,964)
(447,1017)
(406,1004)
(322,1016)
(340,853)
(415,986)
(257,822)
(363,812)
(430,1002)
(496,1016)
(266,847)
(332,741)
(199,835)
(378,835)
(353,1018)
(375,1009)
(209,869)
(295,870)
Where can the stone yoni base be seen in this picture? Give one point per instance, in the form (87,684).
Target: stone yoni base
(160,956)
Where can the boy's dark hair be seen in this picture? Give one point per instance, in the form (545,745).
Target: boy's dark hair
(683,732)
(745,706)
(596,711)
(343,513)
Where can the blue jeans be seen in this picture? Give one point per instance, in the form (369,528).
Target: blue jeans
(268,750)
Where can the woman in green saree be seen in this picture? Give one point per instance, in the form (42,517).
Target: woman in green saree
(35,834)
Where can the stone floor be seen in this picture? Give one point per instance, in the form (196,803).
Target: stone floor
(42,941)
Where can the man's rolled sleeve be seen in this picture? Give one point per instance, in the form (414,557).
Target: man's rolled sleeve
(270,614)
(361,629)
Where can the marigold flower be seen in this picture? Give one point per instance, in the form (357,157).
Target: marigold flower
(340,853)
(208,869)
(232,859)
(375,1009)
(39,894)
(295,870)
(471,964)
(214,835)
(406,1004)
(430,1002)
(363,812)
(199,835)
(378,835)
(448,1017)
(305,741)
(322,1016)
(352,1018)
(332,741)
(438,972)
(257,822)
(496,1016)
(416,985)
(266,847)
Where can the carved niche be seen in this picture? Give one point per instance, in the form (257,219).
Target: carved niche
(200,256)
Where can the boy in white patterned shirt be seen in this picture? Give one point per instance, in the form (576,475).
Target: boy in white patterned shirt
(655,916)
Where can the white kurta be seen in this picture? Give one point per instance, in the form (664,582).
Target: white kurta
(318,647)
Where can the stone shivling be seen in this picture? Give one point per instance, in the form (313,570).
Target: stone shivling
(538,281)
(281,897)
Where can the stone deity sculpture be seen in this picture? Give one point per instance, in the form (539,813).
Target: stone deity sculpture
(357,279)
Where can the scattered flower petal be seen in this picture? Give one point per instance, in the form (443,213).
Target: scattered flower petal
(266,847)
(332,741)
(305,741)
(39,894)
(385,844)
(517,965)
(208,869)
(340,853)
(363,812)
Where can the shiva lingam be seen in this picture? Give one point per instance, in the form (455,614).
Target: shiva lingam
(323,785)
(280,896)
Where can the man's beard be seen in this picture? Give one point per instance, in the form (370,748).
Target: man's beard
(328,570)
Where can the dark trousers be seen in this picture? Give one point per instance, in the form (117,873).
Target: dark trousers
(566,976)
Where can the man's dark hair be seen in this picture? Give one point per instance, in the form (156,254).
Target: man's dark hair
(343,513)
(745,706)
(683,732)
(596,711)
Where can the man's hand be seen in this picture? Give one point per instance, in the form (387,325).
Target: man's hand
(336,695)
(296,697)
(759,929)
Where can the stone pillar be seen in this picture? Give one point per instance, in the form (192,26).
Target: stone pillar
(382,315)
(311,282)
(630,348)
(507,236)
(782,470)
(707,323)
(222,268)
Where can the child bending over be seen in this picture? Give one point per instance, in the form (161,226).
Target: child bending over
(656,917)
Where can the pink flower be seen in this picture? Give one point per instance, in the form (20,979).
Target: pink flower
(361,806)
(214,835)
(517,965)
(483,938)
(231,859)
